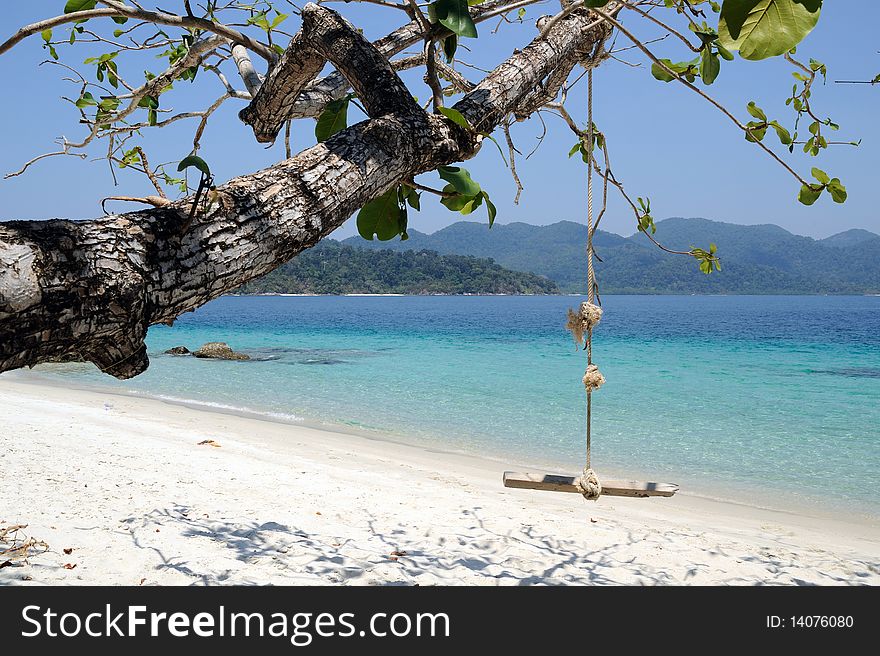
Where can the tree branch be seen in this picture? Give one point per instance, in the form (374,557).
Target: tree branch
(324,36)
(246,69)
(316,95)
(88,290)
(157,17)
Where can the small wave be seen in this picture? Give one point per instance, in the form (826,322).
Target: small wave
(284,416)
(851,372)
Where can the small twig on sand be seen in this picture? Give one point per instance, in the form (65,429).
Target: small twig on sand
(20,546)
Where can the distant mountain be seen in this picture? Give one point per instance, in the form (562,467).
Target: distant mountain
(555,251)
(333,268)
(759,259)
(853,237)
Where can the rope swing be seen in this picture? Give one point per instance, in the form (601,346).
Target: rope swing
(590,314)
(581,324)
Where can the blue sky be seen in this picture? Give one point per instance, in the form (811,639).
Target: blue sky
(666,143)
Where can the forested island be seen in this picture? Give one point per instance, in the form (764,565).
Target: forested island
(333,268)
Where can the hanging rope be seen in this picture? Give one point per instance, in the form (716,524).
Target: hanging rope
(588,483)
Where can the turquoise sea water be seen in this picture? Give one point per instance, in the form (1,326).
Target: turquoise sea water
(772,401)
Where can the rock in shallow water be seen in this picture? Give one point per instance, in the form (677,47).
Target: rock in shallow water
(219,351)
(178,350)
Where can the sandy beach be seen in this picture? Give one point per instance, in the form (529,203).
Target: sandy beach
(121,491)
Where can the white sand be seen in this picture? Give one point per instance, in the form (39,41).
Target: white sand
(122,481)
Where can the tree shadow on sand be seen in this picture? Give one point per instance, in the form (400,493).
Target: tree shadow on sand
(216,551)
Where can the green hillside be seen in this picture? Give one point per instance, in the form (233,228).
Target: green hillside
(760,259)
(331,268)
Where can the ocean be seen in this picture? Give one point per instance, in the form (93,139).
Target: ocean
(770,401)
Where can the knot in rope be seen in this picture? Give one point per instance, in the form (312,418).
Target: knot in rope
(593,378)
(582,322)
(588,485)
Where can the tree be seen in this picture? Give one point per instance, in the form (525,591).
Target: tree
(88,290)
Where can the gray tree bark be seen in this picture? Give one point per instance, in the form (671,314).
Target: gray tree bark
(88,290)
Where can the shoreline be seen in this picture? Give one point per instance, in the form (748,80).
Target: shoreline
(790,504)
(123,480)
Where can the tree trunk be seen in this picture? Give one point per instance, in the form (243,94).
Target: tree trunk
(88,290)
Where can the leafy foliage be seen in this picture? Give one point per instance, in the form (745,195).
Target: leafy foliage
(383,217)
(79,5)
(766,28)
(708,260)
(194,161)
(333,119)
(810,193)
(687,70)
(758,129)
(453,15)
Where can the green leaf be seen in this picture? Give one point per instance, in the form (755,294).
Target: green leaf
(766,28)
(280,18)
(380,217)
(837,190)
(820,175)
(756,131)
(808,195)
(47,35)
(472,204)
(454,203)
(194,161)
(782,133)
(454,15)
(455,116)
(450,45)
(120,20)
(490,208)
(109,103)
(460,179)
(596,3)
(86,100)
(79,5)
(756,111)
(333,119)
(412,197)
(710,66)
(724,52)
(260,21)
(660,73)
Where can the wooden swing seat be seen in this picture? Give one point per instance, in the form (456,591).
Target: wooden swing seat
(611,488)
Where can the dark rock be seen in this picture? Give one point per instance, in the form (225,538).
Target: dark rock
(219,351)
(178,350)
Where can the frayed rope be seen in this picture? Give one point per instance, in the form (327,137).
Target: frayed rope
(580,323)
(593,378)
